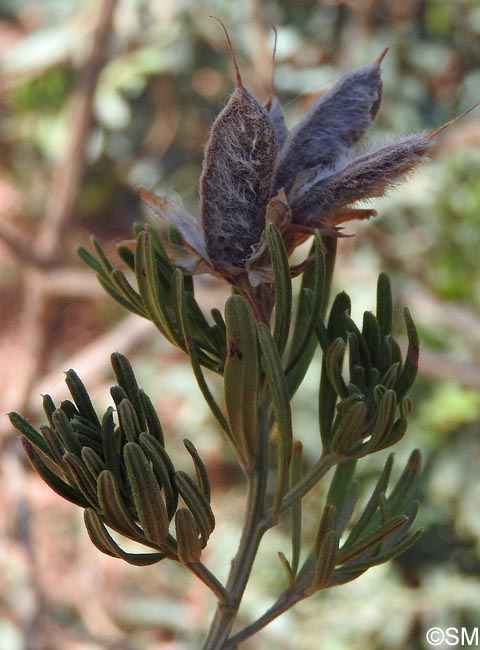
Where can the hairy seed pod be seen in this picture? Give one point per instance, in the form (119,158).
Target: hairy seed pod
(236,180)
(332,126)
(369,175)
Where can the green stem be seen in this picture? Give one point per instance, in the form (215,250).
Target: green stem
(311,478)
(285,601)
(211,581)
(256,523)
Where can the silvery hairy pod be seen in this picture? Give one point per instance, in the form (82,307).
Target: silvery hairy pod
(236,181)
(332,126)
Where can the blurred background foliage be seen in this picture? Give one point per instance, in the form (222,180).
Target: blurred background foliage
(80,131)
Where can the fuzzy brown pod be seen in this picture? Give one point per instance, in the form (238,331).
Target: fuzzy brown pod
(236,181)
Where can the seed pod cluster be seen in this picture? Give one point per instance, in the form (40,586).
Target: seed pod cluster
(253,163)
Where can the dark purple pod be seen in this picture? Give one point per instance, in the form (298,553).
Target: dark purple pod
(317,195)
(332,126)
(236,180)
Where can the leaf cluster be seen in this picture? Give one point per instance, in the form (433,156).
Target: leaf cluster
(120,472)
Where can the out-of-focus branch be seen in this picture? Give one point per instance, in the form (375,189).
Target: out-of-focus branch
(69,171)
(64,189)
(19,245)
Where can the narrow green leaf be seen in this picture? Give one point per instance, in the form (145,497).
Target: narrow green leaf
(125,289)
(333,366)
(384,422)
(202,329)
(181,302)
(98,533)
(54,444)
(81,397)
(364,352)
(114,507)
(30,433)
(110,454)
(189,546)
(156,299)
(85,430)
(194,360)
(49,407)
(354,569)
(126,254)
(128,420)
(326,408)
(367,517)
(126,379)
(337,324)
(406,485)
(118,395)
(308,311)
(346,403)
(288,569)
(100,538)
(371,334)
(93,461)
(65,431)
(154,425)
(371,542)
(107,268)
(281,408)
(296,510)
(342,493)
(65,490)
(390,378)
(325,526)
(399,428)
(283,286)
(115,285)
(113,292)
(336,327)
(384,304)
(410,366)
(325,564)
(165,269)
(146,494)
(80,474)
(163,469)
(242,377)
(395,351)
(348,428)
(197,504)
(221,330)
(90,260)
(386,359)
(200,469)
